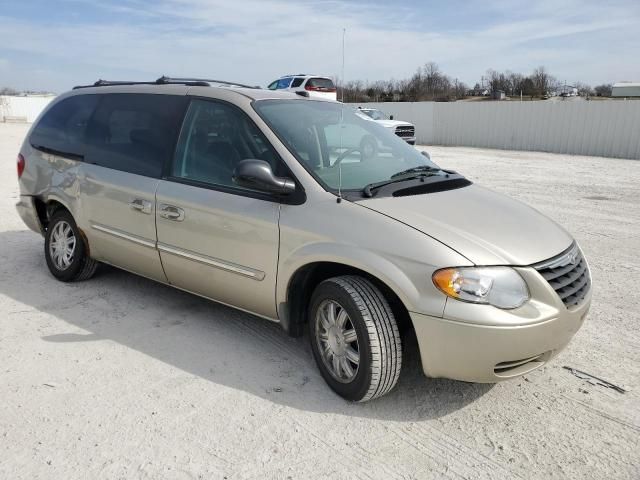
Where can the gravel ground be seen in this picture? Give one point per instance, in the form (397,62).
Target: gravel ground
(120,377)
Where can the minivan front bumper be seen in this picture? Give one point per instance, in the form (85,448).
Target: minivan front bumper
(491,353)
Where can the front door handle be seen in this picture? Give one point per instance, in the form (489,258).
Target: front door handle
(171,212)
(141,205)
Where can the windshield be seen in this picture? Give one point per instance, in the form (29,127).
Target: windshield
(326,135)
(375,114)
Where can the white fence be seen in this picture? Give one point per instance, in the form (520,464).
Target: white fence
(603,128)
(22,109)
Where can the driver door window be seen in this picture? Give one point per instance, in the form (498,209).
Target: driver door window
(216,137)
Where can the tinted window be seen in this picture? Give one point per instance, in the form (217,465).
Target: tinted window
(321,83)
(62,128)
(134,132)
(283,83)
(297,82)
(215,137)
(273,85)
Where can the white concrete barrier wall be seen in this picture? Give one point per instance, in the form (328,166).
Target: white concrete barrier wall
(602,128)
(22,108)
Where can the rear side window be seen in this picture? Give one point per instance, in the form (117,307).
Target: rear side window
(62,129)
(283,83)
(324,84)
(135,133)
(297,82)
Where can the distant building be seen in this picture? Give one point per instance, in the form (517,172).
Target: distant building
(498,95)
(566,91)
(626,89)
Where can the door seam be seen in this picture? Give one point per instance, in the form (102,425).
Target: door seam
(155,224)
(277,277)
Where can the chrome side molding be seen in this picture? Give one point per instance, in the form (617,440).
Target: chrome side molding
(126,236)
(213,262)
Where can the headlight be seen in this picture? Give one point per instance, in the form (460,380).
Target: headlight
(501,287)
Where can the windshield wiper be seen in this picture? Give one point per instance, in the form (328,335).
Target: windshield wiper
(421,168)
(408,174)
(368,189)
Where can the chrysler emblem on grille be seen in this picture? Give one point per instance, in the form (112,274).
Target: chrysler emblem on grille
(573,257)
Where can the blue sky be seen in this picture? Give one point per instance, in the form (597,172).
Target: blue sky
(56,44)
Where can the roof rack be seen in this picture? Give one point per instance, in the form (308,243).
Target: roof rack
(207,81)
(164,80)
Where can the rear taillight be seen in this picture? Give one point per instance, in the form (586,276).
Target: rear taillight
(21,164)
(311,88)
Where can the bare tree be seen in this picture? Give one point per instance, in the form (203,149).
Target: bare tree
(584,90)
(542,81)
(604,90)
(8,91)
(515,82)
(429,83)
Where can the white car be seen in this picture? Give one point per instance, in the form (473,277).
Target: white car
(405,130)
(315,86)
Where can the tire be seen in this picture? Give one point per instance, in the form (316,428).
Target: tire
(357,306)
(74,265)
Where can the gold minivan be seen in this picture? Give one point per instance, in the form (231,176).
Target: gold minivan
(250,198)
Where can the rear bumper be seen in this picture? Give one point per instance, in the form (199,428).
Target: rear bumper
(27,211)
(488,354)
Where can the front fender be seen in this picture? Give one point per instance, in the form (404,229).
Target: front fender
(349,255)
(408,278)
(348,234)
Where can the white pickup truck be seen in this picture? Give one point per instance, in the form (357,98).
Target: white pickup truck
(405,130)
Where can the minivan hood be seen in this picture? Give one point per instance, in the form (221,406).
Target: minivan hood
(484,226)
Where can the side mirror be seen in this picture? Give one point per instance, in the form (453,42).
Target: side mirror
(426,154)
(390,117)
(257,174)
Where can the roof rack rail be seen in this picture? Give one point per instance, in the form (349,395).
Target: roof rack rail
(164,80)
(160,81)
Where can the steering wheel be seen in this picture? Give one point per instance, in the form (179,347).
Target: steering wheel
(344,155)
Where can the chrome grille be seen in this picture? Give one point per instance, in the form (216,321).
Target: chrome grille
(568,275)
(406,131)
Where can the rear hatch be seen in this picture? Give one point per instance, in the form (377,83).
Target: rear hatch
(321,87)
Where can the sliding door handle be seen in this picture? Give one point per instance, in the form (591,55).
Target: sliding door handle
(141,205)
(171,212)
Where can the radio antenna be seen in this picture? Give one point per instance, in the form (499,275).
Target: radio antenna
(344,32)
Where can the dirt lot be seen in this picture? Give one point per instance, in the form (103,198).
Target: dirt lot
(120,377)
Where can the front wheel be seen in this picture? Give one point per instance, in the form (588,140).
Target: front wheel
(354,338)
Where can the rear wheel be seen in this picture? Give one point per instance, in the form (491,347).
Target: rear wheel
(354,338)
(65,250)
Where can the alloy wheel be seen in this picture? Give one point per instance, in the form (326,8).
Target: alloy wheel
(62,245)
(337,341)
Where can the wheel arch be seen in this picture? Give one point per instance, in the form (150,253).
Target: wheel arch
(301,283)
(46,209)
